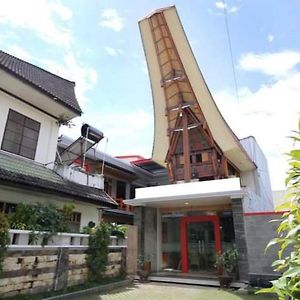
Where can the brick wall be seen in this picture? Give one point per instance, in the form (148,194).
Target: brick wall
(35,270)
(259,231)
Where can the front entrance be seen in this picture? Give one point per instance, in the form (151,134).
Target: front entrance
(200,240)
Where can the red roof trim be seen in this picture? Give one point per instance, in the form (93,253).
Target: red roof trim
(143,161)
(264,213)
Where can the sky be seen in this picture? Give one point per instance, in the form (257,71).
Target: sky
(97,44)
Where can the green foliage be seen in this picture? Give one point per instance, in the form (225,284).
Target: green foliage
(97,252)
(118,230)
(66,212)
(227,261)
(4,238)
(89,228)
(45,218)
(288,231)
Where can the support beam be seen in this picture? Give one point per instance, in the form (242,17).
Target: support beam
(186,148)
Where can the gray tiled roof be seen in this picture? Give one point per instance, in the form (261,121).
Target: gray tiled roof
(23,172)
(60,89)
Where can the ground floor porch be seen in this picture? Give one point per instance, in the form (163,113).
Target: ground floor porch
(182,227)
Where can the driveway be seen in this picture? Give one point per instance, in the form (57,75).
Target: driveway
(159,291)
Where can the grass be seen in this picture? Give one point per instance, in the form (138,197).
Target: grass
(158,291)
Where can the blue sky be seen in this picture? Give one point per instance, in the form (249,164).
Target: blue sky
(98,45)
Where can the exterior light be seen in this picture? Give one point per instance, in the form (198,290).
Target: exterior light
(186,203)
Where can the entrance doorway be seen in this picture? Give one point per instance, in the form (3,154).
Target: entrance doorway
(200,240)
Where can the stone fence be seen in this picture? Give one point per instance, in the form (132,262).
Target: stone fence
(29,269)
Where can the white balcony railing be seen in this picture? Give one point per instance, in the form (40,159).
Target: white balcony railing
(21,238)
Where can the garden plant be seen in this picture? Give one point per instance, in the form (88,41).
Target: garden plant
(287,286)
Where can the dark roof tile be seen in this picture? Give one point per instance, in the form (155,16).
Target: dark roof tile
(60,89)
(30,174)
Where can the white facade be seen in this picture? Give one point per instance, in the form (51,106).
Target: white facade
(256,182)
(47,141)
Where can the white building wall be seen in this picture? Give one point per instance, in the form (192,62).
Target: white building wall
(257,182)
(89,212)
(47,142)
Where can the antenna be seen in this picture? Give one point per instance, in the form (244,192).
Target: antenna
(104,156)
(230,49)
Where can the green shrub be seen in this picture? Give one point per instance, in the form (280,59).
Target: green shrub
(97,252)
(4,238)
(227,261)
(41,217)
(288,263)
(118,230)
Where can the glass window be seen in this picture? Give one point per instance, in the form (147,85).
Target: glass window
(171,252)
(121,190)
(20,135)
(74,223)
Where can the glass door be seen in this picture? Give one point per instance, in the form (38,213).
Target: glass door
(200,246)
(200,240)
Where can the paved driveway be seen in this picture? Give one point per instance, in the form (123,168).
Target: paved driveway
(159,291)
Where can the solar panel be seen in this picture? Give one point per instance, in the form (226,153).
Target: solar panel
(75,150)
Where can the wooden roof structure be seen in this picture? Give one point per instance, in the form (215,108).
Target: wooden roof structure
(191,137)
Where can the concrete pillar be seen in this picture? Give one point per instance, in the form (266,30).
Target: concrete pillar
(150,246)
(145,218)
(240,238)
(127,193)
(131,249)
(139,217)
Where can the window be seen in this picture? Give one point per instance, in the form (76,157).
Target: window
(20,135)
(74,223)
(121,190)
(196,158)
(7,208)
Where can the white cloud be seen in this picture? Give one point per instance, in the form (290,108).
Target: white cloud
(19,52)
(270,114)
(275,64)
(64,12)
(85,77)
(222,6)
(270,38)
(113,51)
(128,133)
(111,19)
(44,18)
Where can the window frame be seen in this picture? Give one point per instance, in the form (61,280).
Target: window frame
(25,124)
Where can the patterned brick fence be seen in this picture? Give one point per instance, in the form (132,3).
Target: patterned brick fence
(35,269)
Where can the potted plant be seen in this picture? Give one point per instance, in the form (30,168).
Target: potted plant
(226,264)
(144,267)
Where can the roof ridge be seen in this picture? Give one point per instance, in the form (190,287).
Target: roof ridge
(38,67)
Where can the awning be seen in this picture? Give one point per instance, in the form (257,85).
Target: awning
(204,193)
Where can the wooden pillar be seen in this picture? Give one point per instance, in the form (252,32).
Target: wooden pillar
(186,148)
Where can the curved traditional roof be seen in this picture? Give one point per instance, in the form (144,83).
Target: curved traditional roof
(166,31)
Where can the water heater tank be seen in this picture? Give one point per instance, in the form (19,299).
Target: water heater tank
(91,133)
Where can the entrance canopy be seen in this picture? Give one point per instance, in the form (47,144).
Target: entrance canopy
(192,194)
